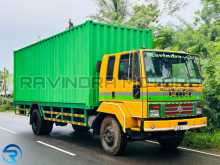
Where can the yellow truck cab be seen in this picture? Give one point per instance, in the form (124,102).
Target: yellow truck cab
(149,94)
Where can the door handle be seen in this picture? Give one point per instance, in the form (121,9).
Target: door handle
(136,91)
(113,95)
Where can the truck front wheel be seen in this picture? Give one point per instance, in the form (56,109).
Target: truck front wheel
(39,125)
(171,141)
(113,139)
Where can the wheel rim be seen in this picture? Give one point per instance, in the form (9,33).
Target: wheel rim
(109,136)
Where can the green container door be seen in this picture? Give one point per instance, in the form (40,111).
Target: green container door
(60,70)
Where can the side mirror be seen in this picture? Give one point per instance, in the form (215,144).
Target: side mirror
(98,66)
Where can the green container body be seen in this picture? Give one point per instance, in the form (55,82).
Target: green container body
(60,70)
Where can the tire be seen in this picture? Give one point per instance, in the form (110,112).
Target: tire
(172,141)
(80,129)
(39,125)
(113,139)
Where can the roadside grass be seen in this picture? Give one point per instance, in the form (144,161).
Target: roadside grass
(5,104)
(6,107)
(202,140)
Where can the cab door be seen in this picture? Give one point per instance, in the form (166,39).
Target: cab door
(107,78)
(128,86)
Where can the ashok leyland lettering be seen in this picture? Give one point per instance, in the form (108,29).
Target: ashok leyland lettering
(126,92)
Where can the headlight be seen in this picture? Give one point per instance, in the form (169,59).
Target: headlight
(154,110)
(199,108)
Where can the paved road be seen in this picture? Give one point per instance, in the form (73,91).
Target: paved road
(66,148)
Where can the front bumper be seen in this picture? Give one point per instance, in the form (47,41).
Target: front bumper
(174,125)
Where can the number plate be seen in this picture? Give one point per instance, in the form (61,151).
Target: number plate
(181,127)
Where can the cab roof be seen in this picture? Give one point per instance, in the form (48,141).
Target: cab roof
(155,50)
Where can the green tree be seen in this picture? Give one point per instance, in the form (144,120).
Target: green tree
(208,24)
(144,16)
(211,67)
(149,13)
(165,38)
(210,12)
(112,11)
(171,7)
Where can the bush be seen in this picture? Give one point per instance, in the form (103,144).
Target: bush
(5,107)
(202,140)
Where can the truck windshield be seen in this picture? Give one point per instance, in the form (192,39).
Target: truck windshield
(171,67)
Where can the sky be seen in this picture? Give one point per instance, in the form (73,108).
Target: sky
(23,22)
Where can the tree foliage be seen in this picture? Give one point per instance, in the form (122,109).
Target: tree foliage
(142,15)
(112,11)
(172,6)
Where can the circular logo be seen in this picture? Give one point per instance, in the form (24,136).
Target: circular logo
(180,109)
(11,153)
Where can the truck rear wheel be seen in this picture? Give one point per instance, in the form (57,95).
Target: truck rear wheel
(39,125)
(172,141)
(113,139)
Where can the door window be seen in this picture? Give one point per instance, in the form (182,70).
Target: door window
(110,69)
(136,67)
(125,67)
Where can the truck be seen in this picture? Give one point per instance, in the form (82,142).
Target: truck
(108,79)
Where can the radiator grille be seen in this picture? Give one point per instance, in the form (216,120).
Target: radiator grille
(178,109)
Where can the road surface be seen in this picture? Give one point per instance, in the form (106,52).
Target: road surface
(66,148)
